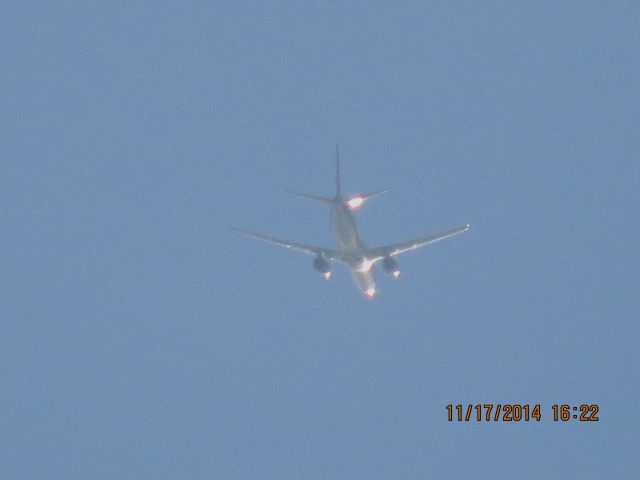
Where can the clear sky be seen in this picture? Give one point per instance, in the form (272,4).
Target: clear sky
(142,338)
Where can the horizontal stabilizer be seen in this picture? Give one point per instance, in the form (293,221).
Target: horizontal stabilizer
(309,196)
(367,196)
(356,201)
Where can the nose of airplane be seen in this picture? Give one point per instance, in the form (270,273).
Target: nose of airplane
(370,292)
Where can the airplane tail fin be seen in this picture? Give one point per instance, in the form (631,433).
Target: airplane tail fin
(338,186)
(317,198)
(320,198)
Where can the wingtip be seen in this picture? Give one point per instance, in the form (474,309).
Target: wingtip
(240,230)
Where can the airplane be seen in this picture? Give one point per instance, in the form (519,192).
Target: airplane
(351,250)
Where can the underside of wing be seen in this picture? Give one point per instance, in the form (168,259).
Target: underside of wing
(398,248)
(301,247)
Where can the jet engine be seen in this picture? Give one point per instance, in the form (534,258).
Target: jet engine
(389,265)
(321,265)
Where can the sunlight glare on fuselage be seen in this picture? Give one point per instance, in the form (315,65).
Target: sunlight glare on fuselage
(370,292)
(365,265)
(327,275)
(355,202)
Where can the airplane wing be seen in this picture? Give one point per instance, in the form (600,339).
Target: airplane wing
(313,250)
(398,248)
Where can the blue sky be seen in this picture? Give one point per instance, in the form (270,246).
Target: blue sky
(141,338)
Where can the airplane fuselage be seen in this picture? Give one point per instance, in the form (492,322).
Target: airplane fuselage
(344,227)
(350,246)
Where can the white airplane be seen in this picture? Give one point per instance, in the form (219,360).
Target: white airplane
(351,250)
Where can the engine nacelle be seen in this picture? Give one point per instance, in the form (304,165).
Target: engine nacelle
(322,265)
(389,265)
